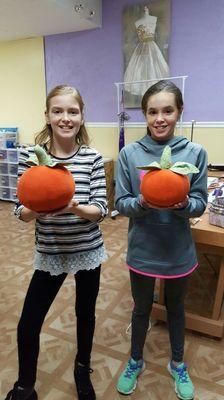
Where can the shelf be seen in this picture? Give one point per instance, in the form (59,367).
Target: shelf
(8,173)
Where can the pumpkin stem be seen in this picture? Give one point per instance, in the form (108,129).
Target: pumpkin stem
(43,157)
(165,161)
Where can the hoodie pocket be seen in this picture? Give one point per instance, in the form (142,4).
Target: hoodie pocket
(163,243)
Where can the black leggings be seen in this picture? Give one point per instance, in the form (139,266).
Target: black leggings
(41,293)
(143,294)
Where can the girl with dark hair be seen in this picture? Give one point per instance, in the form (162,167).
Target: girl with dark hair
(68,241)
(160,244)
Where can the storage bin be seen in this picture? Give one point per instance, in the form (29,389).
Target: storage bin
(5,193)
(12,181)
(12,156)
(2,142)
(3,155)
(9,137)
(4,180)
(216,212)
(13,169)
(13,194)
(8,165)
(3,168)
(11,140)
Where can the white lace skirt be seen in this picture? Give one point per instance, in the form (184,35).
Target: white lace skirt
(69,263)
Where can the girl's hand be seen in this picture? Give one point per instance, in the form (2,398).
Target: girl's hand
(146,204)
(182,204)
(90,212)
(28,215)
(70,208)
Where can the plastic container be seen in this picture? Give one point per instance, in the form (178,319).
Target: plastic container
(8,137)
(216,212)
(8,164)
(12,169)
(12,181)
(12,155)
(4,180)
(3,155)
(5,193)
(13,194)
(4,168)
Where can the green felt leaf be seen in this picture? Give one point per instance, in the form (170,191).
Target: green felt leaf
(165,160)
(184,168)
(180,167)
(32,160)
(153,165)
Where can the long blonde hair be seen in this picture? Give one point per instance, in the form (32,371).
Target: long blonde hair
(45,135)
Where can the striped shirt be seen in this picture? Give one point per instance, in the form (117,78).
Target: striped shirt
(68,235)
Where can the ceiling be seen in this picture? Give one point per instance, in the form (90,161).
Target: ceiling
(20,19)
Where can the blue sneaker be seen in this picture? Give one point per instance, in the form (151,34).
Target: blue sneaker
(128,379)
(184,387)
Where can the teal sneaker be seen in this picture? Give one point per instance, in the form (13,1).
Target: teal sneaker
(128,379)
(184,387)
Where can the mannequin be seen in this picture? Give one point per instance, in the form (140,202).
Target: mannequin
(148,21)
(147,61)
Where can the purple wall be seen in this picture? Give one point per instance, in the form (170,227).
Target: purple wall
(92,60)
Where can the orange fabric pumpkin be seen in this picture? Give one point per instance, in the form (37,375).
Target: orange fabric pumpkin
(166,184)
(44,188)
(164,188)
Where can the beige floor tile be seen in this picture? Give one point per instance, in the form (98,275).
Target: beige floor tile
(205,355)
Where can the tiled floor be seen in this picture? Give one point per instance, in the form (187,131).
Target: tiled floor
(205,355)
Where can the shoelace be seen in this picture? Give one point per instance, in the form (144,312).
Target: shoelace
(131,368)
(182,374)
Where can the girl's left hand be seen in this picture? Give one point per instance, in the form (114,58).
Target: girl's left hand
(182,204)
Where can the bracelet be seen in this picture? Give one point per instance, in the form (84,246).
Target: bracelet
(17,211)
(100,219)
(103,214)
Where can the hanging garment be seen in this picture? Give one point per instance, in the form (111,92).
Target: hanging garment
(146,62)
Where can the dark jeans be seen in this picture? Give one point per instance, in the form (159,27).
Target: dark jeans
(41,293)
(143,294)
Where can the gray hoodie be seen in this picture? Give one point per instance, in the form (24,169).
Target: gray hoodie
(160,241)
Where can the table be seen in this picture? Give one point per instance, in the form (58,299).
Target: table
(216,174)
(209,239)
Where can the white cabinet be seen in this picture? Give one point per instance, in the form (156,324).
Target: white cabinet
(8,173)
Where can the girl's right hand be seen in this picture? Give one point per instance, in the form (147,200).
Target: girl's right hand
(27,215)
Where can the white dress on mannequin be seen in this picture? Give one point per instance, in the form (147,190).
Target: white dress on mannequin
(147,61)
